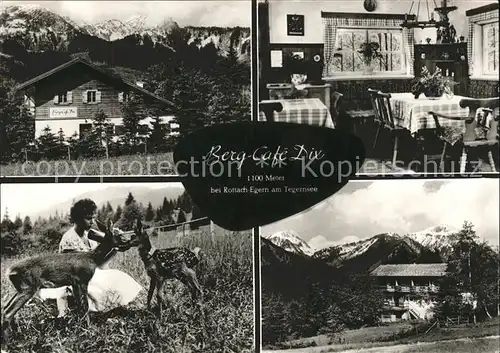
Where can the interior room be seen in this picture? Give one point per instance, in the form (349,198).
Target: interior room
(417,81)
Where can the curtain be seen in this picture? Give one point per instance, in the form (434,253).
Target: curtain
(473,20)
(409,48)
(330,35)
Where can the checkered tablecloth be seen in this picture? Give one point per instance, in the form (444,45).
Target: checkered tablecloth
(413,114)
(310,111)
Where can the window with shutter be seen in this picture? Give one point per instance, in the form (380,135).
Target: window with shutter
(56,99)
(63,98)
(98,96)
(92,95)
(85,96)
(69,97)
(120,97)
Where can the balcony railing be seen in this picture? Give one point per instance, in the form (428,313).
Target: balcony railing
(392,305)
(434,289)
(420,289)
(404,289)
(413,289)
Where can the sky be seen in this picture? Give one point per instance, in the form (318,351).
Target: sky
(364,209)
(223,13)
(25,199)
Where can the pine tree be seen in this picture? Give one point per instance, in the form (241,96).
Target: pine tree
(167,208)
(130,214)
(118,213)
(471,271)
(132,115)
(73,141)
(18,222)
(157,139)
(6,216)
(150,214)
(101,124)
(109,208)
(61,143)
(27,226)
(130,199)
(17,125)
(184,202)
(7,225)
(48,143)
(158,214)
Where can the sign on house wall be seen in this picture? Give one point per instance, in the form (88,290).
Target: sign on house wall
(63,112)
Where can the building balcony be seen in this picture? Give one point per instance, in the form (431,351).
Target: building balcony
(393,307)
(420,289)
(389,288)
(411,289)
(434,289)
(403,289)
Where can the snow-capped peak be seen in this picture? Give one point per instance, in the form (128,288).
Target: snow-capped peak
(434,237)
(290,241)
(137,23)
(27,8)
(351,250)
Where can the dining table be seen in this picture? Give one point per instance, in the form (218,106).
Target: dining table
(310,111)
(413,114)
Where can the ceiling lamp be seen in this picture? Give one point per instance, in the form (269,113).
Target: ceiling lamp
(442,11)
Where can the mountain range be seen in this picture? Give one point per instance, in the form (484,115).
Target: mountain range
(37,29)
(34,40)
(429,245)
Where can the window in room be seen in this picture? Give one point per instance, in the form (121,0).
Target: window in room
(490,48)
(347,60)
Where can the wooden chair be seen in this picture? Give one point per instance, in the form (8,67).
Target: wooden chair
(471,138)
(268,108)
(359,116)
(335,107)
(381,103)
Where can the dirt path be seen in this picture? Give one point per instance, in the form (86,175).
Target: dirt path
(400,348)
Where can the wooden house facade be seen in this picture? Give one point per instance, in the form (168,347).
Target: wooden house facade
(68,97)
(410,290)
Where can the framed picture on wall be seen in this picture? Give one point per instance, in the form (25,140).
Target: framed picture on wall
(295,25)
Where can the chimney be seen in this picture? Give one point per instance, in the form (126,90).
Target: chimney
(140,84)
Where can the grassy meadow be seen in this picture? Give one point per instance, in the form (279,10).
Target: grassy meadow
(138,164)
(401,338)
(224,324)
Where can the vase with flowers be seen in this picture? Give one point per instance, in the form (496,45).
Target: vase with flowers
(296,67)
(370,54)
(433,86)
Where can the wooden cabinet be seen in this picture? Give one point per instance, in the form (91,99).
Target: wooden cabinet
(450,58)
(281,90)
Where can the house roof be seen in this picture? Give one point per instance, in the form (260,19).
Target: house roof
(410,270)
(96,68)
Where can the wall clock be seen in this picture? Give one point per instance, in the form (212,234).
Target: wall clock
(295,25)
(370,5)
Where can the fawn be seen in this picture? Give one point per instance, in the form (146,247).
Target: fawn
(73,269)
(161,264)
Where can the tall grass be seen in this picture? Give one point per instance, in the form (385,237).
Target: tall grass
(140,164)
(225,322)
